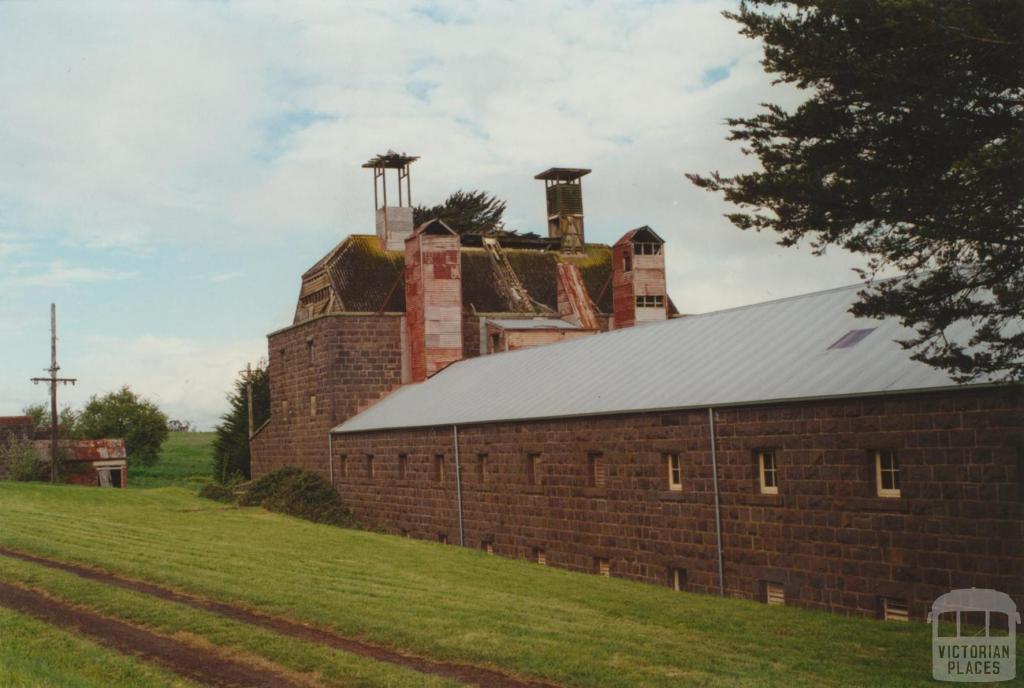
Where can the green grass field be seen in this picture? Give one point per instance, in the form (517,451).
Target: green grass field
(35,655)
(431,599)
(185,460)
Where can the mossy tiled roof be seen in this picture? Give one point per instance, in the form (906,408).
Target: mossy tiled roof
(366,279)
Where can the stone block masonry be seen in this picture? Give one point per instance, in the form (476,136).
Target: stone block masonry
(826,537)
(322,372)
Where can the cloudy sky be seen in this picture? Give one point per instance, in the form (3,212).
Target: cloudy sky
(168,170)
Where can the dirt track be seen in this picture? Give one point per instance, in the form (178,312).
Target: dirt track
(465,673)
(188,661)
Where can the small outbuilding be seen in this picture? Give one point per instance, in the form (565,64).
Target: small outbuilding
(102,463)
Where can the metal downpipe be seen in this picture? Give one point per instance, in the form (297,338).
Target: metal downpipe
(718,506)
(458,483)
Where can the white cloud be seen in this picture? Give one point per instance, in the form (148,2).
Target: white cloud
(59,274)
(188,378)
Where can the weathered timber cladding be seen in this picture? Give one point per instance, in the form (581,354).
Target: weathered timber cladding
(433,297)
(826,537)
(346,362)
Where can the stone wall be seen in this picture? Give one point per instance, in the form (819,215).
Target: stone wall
(322,372)
(826,537)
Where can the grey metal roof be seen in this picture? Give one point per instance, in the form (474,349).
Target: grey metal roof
(772,351)
(533,324)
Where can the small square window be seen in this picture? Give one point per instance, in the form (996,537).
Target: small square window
(774,594)
(676,578)
(370,474)
(532,469)
(539,556)
(439,468)
(442,538)
(403,465)
(768,472)
(481,467)
(887,473)
(488,547)
(603,567)
(675,472)
(895,609)
(598,470)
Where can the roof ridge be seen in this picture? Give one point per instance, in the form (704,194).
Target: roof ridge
(792,297)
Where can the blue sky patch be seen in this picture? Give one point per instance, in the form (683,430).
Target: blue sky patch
(713,75)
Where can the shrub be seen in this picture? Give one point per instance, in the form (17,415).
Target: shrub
(299,493)
(217,492)
(22,462)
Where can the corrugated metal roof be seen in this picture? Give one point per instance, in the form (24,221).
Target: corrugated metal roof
(771,351)
(533,324)
(84,450)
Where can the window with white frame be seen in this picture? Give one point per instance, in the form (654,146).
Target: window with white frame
(675,472)
(768,472)
(887,473)
(646,248)
(650,301)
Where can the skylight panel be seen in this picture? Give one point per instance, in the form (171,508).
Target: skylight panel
(851,338)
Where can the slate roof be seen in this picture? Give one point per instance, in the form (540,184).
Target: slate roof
(784,350)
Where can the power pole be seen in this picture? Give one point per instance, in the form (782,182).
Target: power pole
(53,381)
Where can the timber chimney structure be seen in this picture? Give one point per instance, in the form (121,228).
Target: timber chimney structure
(394,222)
(433,298)
(565,206)
(638,278)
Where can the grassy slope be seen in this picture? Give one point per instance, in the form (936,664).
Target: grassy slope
(35,655)
(235,640)
(185,460)
(459,603)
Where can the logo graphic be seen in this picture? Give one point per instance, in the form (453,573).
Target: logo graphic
(974,636)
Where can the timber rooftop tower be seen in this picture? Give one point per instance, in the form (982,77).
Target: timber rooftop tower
(565,206)
(394,222)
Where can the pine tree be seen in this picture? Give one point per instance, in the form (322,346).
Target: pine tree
(909,150)
(231,459)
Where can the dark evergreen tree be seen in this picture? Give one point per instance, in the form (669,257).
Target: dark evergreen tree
(466,212)
(909,150)
(231,458)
